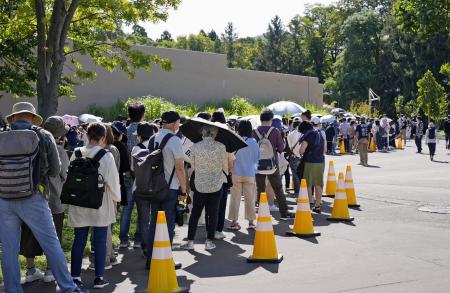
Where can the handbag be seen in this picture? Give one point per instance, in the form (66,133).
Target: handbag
(229,179)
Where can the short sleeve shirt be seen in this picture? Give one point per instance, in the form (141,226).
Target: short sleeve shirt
(171,152)
(362,130)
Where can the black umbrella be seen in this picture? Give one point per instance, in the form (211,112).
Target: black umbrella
(192,129)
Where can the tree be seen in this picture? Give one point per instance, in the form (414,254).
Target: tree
(356,68)
(230,37)
(139,31)
(432,99)
(426,17)
(213,35)
(62,28)
(273,51)
(166,36)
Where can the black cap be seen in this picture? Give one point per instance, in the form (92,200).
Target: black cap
(145,129)
(119,127)
(170,117)
(307,114)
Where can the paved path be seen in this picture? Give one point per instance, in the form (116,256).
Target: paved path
(390,247)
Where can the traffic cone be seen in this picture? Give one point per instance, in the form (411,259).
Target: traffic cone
(303,225)
(330,189)
(372,147)
(400,143)
(340,206)
(342,148)
(264,247)
(162,277)
(350,189)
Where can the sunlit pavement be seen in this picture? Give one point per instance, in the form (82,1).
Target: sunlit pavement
(390,247)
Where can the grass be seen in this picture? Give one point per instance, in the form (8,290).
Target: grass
(68,236)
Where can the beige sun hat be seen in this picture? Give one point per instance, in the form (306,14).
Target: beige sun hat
(25,107)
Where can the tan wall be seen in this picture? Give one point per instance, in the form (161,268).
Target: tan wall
(196,78)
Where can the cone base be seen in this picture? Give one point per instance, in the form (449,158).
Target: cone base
(250,259)
(341,219)
(181,290)
(328,195)
(353,205)
(310,235)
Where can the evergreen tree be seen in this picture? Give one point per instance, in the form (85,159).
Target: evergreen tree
(273,52)
(230,37)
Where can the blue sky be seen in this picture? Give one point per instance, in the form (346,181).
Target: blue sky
(250,17)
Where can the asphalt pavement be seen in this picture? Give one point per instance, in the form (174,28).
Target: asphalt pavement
(392,246)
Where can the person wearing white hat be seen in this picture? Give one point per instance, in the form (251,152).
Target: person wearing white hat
(33,210)
(431,139)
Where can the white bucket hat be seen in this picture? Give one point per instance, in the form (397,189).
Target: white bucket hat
(25,107)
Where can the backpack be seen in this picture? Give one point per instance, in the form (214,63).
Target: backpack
(266,163)
(432,133)
(150,181)
(19,163)
(84,186)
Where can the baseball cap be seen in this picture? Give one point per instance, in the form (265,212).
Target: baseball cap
(297,119)
(119,127)
(170,117)
(315,120)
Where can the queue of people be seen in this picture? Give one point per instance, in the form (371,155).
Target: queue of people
(200,175)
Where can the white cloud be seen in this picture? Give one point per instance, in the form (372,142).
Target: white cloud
(250,17)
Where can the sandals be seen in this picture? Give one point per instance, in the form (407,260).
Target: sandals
(316,209)
(251,226)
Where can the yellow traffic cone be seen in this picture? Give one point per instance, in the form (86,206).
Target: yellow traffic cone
(372,147)
(342,148)
(340,206)
(400,143)
(330,189)
(264,247)
(303,225)
(162,277)
(350,189)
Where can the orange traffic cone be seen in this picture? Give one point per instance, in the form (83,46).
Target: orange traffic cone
(340,206)
(162,277)
(342,148)
(303,225)
(264,247)
(330,189)
(350,189)
(372,147)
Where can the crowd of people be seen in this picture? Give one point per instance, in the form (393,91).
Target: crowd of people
(199,177)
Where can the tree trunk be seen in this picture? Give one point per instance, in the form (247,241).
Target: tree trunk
(47,95)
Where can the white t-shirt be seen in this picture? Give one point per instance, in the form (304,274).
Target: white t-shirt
(171,152)
(292,139)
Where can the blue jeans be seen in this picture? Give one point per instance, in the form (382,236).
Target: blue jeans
(168,206)
(143,209)
(294,163)
(79,244)
(34,212)
(125,217)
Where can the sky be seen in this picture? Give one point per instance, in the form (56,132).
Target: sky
(250,17)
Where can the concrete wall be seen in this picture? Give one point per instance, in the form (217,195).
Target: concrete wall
(196,78)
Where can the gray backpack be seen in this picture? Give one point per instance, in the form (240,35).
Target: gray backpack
(19,163)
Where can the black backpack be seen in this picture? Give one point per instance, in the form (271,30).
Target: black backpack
(150,181)
(84,186)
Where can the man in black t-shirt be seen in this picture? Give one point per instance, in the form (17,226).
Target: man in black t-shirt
(362,134)
(447,132)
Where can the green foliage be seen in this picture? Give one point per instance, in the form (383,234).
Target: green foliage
(229,39)
(363,108)
(426,17)
(432,99)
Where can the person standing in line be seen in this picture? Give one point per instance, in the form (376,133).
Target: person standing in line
(219,117)
(120,133)
(343,129)
(403,125)
(136,114)
(431,139)
(173,158)
(267,132)
(362,135)
(293,140)
(33,210)
(209,159)
(330,136)
(447,132)
(244,172)
(82,219)
(313,152)
(419,134)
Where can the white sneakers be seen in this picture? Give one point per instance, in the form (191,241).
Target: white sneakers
(219,235)
(33,275)
(48,277)
(189,245)
(274,208)
(209,245)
